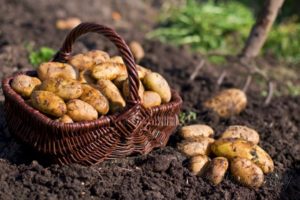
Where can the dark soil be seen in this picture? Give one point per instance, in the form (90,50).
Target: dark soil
(163,173)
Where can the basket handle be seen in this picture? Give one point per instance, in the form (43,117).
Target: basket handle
(63,55)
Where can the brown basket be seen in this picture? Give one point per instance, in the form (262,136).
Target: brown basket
(135,130)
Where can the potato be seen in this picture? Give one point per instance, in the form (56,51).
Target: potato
(67,24)
(142,71)
(196,130)
(49,103)
(85,76)
(151,99)
(81,62)
(125,89)
(137,50)
(198,164)
(106,70)
(246,172)
(234,147)
(24,85)
(55,69)
(98,56)
(79,110)
(216,170)
(242,132)
(111,92)
(228,102)
(155,82)
(95,98)
(199,145)
(65,119)
(117,59)
(120,80)
(64,88)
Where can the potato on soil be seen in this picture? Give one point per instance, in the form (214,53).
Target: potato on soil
(95,98)
(242,132)
(151,99)
(65,119)
(67,24)
(85,76)
(49,103)
(246,172)
(234,147)
(106,70)
(198,164)
(125,89)
(24,85)
(64,88)
(137,50)
(216,170)
(81,62)
(55,69)
(199,145)
(112,93)
(155,82)
(79,110)
(228,102)
(98,56)
(196,130)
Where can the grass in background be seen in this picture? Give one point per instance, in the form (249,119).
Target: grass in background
(43,54)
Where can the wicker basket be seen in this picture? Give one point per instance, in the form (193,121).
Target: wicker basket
(134,130)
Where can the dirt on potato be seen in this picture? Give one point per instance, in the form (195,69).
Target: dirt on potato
(162,174)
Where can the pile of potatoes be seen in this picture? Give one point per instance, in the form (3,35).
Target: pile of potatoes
(88,86)
(236,148)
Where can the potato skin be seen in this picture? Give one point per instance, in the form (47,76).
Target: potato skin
(242,132)
(117,59)
(55,69)
(199,145)
(24,85)
(106,70)
(137,50)
(95,98)
(198,164)
(216,170)
(85,76)
(65,119)
(246,172)
(65,88)
(98,56)
(155,82)
(196,130)
(151,99)
(79,110)
(234,147)
(228,102)
(125,89)
(49,103)
(81,62)
(112,93)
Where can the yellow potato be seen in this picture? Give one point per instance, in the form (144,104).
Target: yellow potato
(155,82)
(228,102)
(125,89)
(85,76)
(151,99)
(79,110)
(98,56)
(117,59)
(246,172)
(120,80)
(142,71)
(67,24)
(64,88)
(198,164)
(234,147)
(199,145)
(137,50)
(216,170)
(55,69)
(196,130)
(24,85)
(95,98)
(242,132)
(47,102)
(65,119)
(81,62)
(111,92)
(106,70)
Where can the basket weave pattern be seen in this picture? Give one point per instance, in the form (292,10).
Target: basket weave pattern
(134,130)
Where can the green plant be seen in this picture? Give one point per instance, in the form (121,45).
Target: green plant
(42,55)
(185,117)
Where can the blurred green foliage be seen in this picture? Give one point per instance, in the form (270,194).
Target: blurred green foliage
(42,55)
(222,27)
(185,117)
